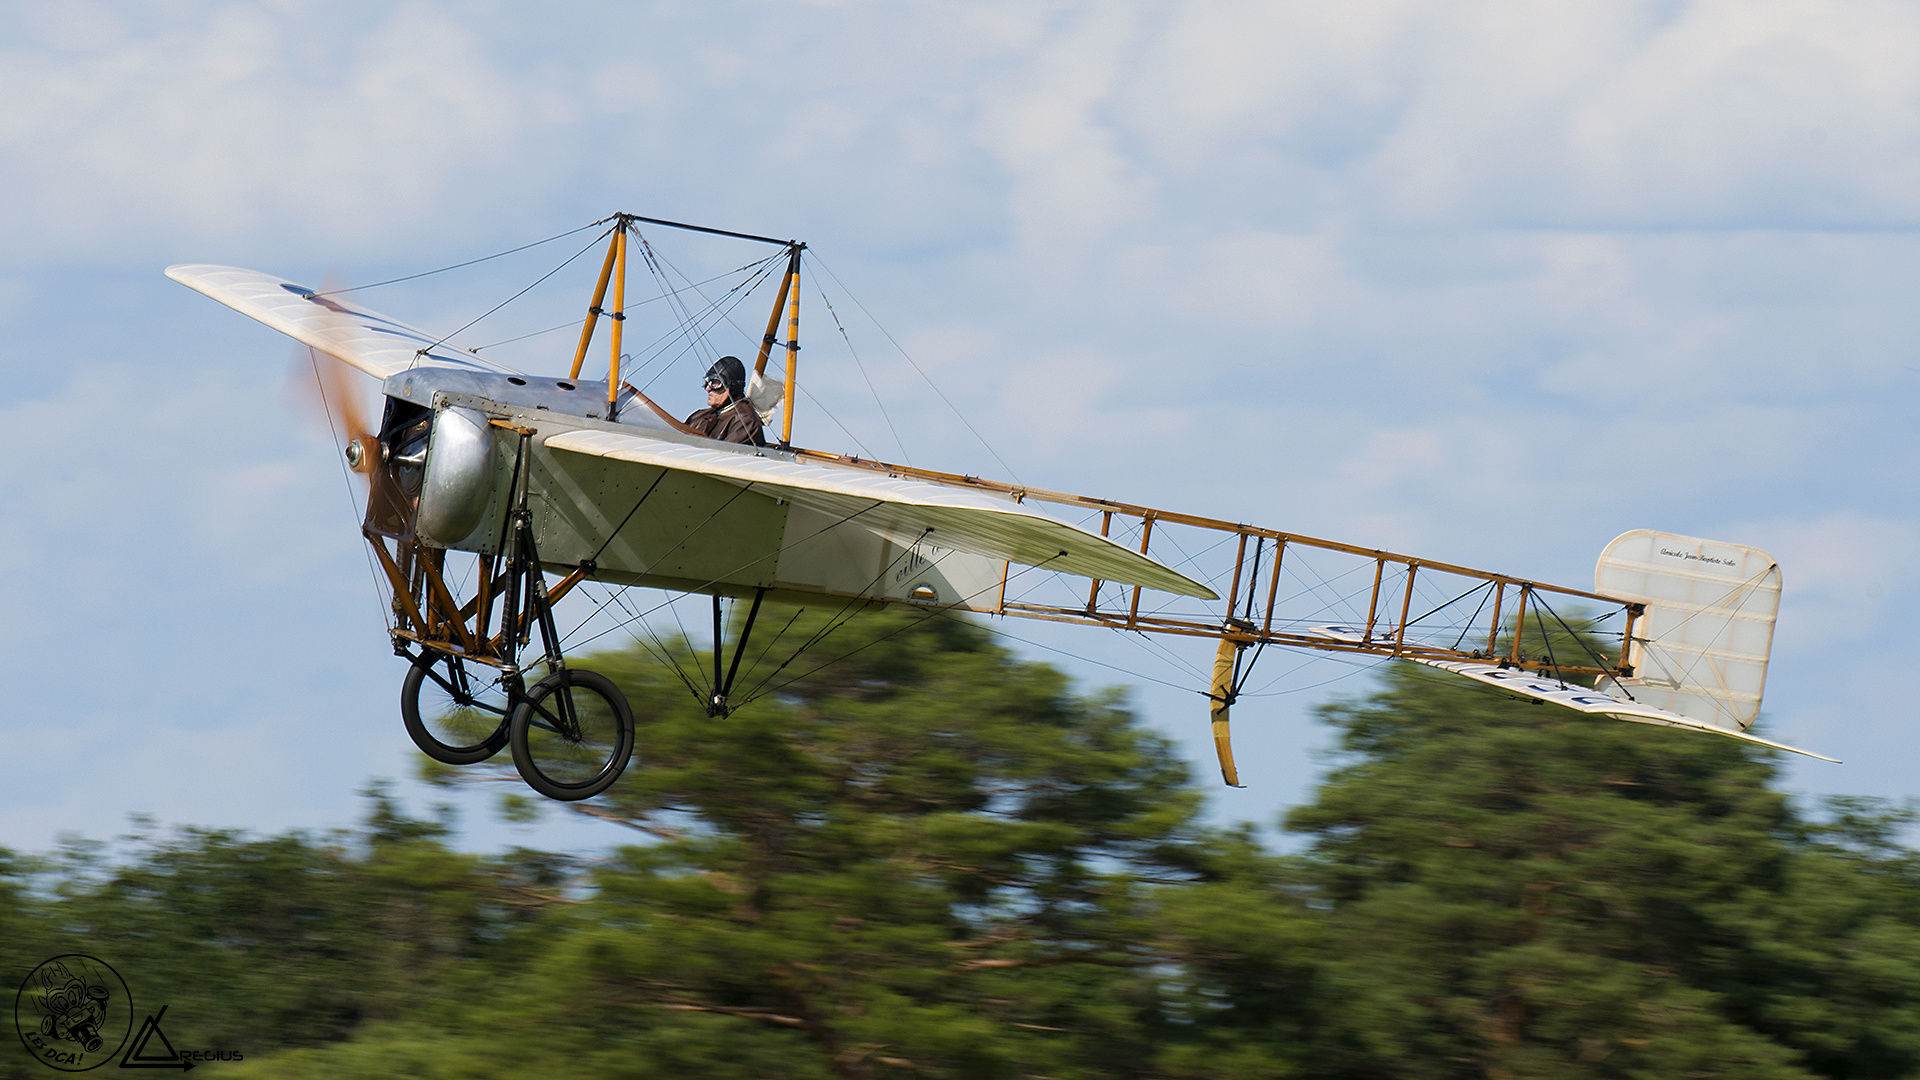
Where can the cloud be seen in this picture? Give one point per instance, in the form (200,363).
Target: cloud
(1487,283)
(1847,576)
(242,117)
(1708,114)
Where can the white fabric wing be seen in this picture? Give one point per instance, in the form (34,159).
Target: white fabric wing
(904,511)
(335,325)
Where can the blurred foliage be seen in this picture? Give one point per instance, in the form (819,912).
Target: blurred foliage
(932,859)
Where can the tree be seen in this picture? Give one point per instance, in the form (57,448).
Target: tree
(930,858)
(259,943)
(927,858)
(1518,892)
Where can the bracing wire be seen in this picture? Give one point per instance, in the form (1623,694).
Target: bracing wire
(855,353)
(346,474)
(897,630)
(841,618)
(693,328)
(469,262)
(591,244)
(632,305)
(917,368)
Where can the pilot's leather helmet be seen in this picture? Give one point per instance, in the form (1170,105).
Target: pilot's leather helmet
(730,371)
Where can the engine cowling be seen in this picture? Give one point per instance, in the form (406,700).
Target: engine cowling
(460,475)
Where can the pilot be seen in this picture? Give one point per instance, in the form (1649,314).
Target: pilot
(729,416)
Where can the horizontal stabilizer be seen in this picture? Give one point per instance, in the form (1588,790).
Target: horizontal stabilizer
(907,512)
(335,325)
(1571,695)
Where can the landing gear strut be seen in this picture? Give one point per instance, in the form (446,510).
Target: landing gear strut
(717,704)
(466,695)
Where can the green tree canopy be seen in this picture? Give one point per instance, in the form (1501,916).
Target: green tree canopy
(933,859)
(1515,891)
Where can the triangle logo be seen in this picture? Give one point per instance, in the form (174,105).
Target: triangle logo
(142,1055)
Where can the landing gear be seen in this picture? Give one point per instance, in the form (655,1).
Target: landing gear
(465,696)
(456,714)
(572,735)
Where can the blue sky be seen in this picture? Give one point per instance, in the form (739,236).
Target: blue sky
(1488,283)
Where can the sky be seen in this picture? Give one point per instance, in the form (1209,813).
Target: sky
(1484,282)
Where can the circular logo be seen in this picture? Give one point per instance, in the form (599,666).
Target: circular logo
(74,1013)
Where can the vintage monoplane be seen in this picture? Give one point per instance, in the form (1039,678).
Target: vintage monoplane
(537,476)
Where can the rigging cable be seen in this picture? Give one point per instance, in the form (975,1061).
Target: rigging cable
(690,327)
(1488,589)
(884,415)
(727,315)
(897,630)
(840,618)
(469,262)
(591,244)
(632,305)
(346,475)
(916,367)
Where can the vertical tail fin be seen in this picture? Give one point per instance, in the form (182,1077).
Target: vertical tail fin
(1700,647)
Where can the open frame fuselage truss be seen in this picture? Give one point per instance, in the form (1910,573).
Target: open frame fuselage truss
(570,517)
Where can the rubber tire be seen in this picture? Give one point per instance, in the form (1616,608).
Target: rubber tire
(572,769)
(429,743)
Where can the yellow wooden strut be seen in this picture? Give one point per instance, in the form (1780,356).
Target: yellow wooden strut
(593,309)
(619,314)
(773,317)
(1223,664)
(793,357)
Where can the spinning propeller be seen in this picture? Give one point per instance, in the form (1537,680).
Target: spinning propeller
(324,382)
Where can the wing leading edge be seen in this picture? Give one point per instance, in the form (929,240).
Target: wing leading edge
(368,340)
(904,511)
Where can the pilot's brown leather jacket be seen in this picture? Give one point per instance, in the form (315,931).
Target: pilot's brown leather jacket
(733,422)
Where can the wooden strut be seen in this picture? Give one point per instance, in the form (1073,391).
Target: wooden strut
(401,593)
(1373,603)
(1493,626)
(1233,591)
(793,352)
(1406,602)
(1146,535)
(593,309)
(1273,585)
(1093,594)
(619,315)
(773,317)
(428,612)
(1520,622)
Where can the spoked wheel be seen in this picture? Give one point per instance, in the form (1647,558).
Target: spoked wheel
(456,714)
(572,734)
